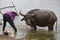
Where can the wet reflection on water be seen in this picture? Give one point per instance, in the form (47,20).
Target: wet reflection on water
(41,34)
(26,33)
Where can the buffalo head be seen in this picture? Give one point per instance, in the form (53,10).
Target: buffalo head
(28,18)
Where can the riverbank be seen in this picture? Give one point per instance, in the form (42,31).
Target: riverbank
(5,37)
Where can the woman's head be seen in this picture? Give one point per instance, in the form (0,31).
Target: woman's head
(15,13)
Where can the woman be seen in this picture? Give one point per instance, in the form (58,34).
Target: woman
(9,17)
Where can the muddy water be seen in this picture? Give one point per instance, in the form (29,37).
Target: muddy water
(26,33)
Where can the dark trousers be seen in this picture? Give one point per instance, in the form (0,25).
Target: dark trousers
(7,18)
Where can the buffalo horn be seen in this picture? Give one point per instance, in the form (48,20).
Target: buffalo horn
(21,14)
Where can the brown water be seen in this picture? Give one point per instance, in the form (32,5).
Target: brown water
(26,33)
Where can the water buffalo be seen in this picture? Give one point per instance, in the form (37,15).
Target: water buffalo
(38,17)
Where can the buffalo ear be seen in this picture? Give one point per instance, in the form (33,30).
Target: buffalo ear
(22,19)
(32,14)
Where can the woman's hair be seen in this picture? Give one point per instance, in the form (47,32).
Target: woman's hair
(15,13)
